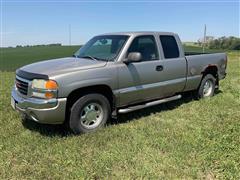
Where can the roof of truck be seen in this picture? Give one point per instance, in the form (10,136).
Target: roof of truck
(139,33)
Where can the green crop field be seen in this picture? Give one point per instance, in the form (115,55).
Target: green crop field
(185,139)
(13,58)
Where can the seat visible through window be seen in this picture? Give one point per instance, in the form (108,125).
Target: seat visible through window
(146,45)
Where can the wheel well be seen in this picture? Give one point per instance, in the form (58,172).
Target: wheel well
(213,70)
(101,89)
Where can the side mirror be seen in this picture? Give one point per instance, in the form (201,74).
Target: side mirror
(133,57)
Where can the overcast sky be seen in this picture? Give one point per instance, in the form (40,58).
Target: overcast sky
(47,21)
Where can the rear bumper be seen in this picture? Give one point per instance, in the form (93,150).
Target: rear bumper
(40,110)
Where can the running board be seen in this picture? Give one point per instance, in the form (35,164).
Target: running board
(149,104)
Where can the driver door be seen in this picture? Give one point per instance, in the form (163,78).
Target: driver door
(138,81)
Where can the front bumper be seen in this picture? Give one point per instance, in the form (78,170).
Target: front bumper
(40,110)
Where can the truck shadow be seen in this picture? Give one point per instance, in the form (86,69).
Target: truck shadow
(62,131)
(135,115)
(46,129)
(142,113)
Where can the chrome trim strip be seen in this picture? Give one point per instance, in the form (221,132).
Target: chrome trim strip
(149,104)
(21,79)
(44,90)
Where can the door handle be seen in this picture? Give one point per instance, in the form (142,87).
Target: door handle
(159,68)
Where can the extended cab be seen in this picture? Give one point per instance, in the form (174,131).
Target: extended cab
(114,73)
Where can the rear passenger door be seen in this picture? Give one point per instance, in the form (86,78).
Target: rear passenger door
(174,65)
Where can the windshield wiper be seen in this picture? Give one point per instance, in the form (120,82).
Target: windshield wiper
(88,57)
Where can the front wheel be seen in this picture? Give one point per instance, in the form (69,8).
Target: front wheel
(89,113)
(207,87)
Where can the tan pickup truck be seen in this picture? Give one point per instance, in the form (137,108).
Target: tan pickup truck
(114,73)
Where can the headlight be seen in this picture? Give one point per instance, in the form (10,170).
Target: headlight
(46,89)
(44,84)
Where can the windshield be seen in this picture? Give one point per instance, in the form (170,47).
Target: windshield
(105,47)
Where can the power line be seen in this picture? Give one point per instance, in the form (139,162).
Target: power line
(70,34)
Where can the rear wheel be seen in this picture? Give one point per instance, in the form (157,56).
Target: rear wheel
(207,87)
(89,113)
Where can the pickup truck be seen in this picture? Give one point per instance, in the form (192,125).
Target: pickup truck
(111,74)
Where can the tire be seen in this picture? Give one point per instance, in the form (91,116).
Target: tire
(89,113)
(207,87)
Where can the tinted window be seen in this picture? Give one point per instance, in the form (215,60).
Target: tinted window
(146,45)
(170,47)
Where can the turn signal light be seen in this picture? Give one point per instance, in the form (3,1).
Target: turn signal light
(50,84)
(49,95)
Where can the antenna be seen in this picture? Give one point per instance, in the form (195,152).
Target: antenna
(204,38)
(69,33)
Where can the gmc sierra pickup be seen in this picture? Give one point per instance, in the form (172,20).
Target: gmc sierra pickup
(114,73)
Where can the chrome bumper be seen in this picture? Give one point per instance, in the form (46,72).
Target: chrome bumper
(40,110)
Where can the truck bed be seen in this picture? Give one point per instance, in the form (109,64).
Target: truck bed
(197,62)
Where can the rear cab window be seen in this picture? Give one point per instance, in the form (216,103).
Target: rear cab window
(146,45)
(169,46)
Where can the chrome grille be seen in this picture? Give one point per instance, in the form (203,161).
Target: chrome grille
(22,86)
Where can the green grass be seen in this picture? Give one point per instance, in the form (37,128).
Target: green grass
(185,139)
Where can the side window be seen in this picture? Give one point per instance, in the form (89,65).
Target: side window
(170,47)
(146,45)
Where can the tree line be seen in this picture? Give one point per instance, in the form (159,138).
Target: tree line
(40,45)
(226,43)
(231,43)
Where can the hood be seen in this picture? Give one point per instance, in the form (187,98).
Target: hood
(58,66)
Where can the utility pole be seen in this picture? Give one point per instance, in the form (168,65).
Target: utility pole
(70,34)
(204,38)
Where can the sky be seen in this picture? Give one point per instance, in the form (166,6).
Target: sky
(29,22)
